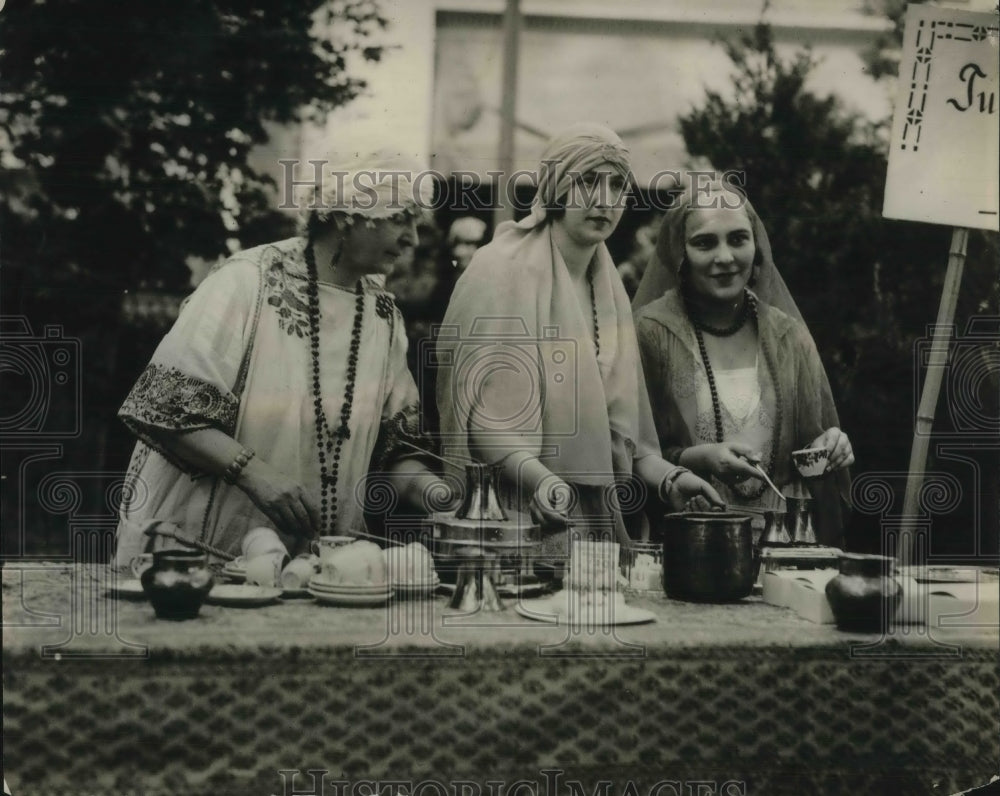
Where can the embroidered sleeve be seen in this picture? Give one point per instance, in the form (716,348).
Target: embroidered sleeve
(194,377)
(396,435)
(168,399)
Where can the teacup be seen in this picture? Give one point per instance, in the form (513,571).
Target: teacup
(325,545)
(811,462)
(259,541)
(140,564)
(297,574)
(265,570)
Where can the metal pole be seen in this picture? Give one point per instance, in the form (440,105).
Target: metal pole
(508,110)
(937,360)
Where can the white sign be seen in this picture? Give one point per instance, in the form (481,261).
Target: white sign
(944,156)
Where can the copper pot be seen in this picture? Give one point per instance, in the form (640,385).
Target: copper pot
(708,556)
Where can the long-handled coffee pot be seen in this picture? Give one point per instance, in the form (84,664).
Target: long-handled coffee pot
(793,525)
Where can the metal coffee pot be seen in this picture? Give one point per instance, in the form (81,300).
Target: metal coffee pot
(793,525)
(481,501)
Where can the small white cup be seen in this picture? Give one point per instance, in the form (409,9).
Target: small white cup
(325,545)
(265,570)
(297,574)
(811,462)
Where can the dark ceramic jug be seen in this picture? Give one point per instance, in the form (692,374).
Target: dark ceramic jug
(864,597)
(177,583)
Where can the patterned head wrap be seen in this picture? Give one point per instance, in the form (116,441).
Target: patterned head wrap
(576,150)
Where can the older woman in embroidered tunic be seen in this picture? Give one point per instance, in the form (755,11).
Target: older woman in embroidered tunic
(283,382)
(733,373)
(541,371)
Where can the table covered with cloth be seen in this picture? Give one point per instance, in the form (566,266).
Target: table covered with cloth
(414,698)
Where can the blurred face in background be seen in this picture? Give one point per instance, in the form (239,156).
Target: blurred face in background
(462,251)
(465,236)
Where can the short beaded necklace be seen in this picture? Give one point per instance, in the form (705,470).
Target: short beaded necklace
(728,331)
(329,441)
(749,308)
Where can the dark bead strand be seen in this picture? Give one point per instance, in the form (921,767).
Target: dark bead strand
(749,302)
(593,309)
(728,331)
(327,441)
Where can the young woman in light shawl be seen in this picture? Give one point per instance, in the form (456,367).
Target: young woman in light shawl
(284,380)
(733,373)
(540,370)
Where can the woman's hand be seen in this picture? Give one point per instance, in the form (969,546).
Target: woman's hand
(690,491)
(838,447)
(727,461)
(550,503)
(285,502)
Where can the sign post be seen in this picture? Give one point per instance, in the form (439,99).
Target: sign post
(944,159)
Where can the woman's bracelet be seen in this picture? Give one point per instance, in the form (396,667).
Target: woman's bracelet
(668,482)
(236,466)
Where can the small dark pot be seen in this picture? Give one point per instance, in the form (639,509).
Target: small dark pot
(863,597)
(708,557)
(177,583)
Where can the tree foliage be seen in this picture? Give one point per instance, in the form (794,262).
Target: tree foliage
(125,127)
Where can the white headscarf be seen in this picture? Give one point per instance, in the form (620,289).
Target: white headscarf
(382,184)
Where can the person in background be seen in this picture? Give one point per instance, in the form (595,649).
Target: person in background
(465,235)
(563,412)
(732,372)
(634,266)
(284,382)
(416,284)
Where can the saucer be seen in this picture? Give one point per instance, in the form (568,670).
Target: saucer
(415,590)
(318,583)
(944,574)
(555,610)
(347,600)
(295,593)
(130,589)
(236,595)
(235,570)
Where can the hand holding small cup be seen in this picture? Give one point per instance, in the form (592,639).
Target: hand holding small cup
(830,451)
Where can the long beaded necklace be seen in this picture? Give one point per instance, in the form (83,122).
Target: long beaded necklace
(749,308)
(330,442)
(593,310)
